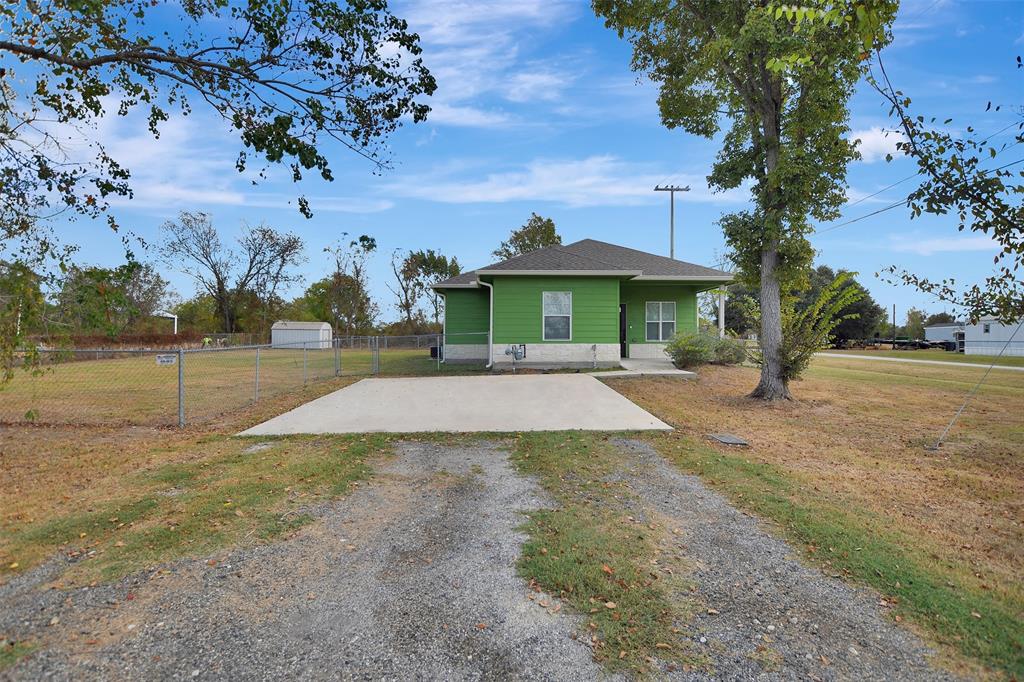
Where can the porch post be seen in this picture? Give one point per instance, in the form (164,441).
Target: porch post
(721,313)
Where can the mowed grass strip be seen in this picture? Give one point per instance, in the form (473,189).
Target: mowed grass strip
(938,354)
(589,553)
(240,490)
(844,472)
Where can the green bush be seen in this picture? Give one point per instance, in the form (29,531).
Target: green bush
(695,349)
(730,352)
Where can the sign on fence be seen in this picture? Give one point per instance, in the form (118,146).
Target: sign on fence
(166,359)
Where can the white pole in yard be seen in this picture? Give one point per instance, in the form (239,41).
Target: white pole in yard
(256,392)
(181,388)
(305,363)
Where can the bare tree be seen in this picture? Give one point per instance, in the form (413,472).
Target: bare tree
(260,267)
(408,285)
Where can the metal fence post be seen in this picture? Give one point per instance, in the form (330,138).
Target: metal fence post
(337,357)
(256,391)
(181,388)
(305,363)
(437,342)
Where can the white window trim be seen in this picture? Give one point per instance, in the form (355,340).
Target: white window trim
(660,320)
(543,316)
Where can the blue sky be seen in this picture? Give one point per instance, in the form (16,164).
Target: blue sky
(537,110)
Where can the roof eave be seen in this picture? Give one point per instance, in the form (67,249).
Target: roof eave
(683,278)
(563,273)
(442,285)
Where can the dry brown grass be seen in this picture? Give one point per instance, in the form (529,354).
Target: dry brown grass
(856,436)
(47,472)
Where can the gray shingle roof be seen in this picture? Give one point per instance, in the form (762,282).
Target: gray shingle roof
(590,255)
(650,264)
(556,258)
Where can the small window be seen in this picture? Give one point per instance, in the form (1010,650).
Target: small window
(661,320)
(986,328)
(557,315)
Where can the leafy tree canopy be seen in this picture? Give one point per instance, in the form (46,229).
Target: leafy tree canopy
(432,268)
(286,75)
(536,233)
(782,84)
(940,318)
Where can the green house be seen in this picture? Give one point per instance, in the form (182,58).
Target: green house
(581,304)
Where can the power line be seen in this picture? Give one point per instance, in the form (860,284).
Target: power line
(909,177)
(901,202)
(974,390)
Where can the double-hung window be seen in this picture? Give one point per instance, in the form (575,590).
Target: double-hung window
(557,315)
(661,320)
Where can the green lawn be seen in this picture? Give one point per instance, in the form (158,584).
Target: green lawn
(936,354)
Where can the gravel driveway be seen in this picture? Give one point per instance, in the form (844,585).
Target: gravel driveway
(765,615)
(412,577)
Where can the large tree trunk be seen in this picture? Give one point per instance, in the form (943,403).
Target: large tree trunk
(773,385)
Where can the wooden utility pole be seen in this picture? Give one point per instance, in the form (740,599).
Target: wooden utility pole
(671,189)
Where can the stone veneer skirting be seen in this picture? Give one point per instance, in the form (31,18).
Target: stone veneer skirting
(561,354)
(647,351)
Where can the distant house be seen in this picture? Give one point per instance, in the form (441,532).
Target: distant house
(577,304)
(988,336)
(292,334)
(943,332)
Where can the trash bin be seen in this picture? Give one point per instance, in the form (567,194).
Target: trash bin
(435,352)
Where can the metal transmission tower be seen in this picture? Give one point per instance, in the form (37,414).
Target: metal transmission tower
(672,189)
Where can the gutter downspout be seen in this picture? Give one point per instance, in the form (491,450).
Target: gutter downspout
(444,327)
(490,324)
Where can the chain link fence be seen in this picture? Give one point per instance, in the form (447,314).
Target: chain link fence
(190,385)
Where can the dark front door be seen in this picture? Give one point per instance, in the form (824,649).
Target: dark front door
(623,348)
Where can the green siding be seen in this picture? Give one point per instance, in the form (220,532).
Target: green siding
(636,295)
(466,311)
(518,310)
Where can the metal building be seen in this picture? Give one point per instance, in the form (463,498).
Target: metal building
(292,334)
(988,336)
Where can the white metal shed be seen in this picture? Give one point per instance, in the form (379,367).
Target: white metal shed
(292,334)
(944,331)
(988,336)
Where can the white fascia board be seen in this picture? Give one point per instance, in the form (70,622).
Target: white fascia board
(439,287)
(683,278)
(564,273)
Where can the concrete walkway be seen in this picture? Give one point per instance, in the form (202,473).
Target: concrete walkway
(638,367)
(973,365)
(527,402)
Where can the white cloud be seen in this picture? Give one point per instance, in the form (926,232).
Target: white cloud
(929,247)
(474,51)
(875,142)
(591,181)
(467,116)
(530,86)
(192,165)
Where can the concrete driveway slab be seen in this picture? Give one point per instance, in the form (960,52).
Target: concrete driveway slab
(537,402)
